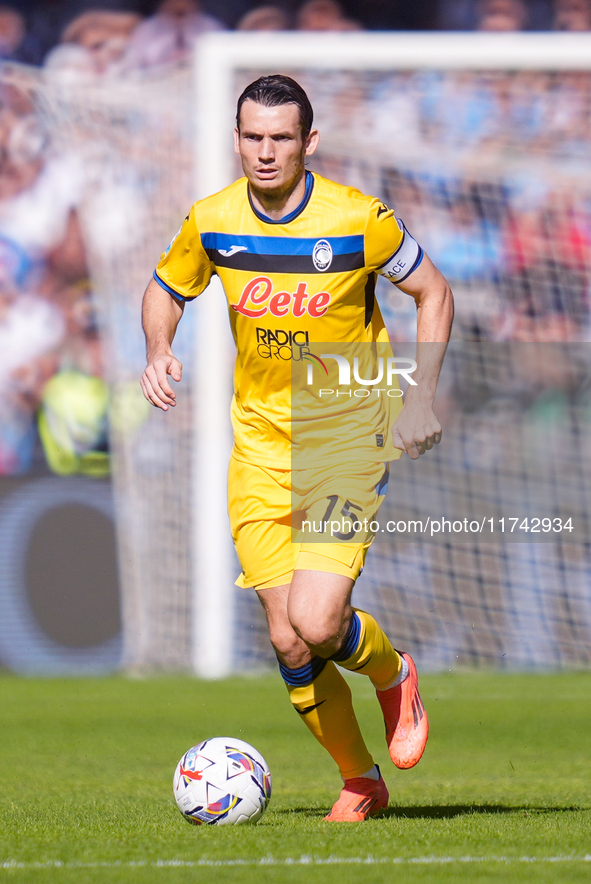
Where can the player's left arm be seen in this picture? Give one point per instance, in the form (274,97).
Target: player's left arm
(417,428)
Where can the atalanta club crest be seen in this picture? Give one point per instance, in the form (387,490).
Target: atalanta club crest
(322,255)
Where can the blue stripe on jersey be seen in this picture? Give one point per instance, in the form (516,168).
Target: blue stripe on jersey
(278,245)
(167,288)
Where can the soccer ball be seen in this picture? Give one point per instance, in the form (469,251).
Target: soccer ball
(222,782)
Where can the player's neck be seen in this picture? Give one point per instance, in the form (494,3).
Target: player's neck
(277,206)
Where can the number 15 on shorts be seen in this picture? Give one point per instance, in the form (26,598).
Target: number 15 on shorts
(336,518)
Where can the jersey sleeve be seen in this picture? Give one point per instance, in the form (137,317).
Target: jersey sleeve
(390,250)
(184,268)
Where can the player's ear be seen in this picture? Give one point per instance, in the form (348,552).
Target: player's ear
(236,140)
(312,142)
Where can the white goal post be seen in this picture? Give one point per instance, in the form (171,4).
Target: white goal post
(217,58)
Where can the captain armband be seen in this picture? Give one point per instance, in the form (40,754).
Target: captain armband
(405,259)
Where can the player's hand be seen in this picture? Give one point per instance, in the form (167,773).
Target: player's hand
(416,429)
(155,380)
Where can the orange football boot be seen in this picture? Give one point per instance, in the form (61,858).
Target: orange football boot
(361,798)
(407,725)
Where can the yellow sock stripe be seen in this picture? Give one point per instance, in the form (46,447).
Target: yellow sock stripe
(375,656)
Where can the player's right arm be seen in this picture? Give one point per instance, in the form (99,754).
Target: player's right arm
(161,313)
(183,272)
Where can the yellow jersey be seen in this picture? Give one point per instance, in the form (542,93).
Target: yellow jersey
(308,278)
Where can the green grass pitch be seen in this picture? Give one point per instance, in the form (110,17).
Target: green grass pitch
(502,794)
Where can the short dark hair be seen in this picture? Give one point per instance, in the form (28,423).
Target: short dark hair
(277,89)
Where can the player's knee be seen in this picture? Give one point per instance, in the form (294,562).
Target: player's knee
(289,647)
(320,636)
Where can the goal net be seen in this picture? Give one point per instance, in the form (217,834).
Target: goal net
(481,143)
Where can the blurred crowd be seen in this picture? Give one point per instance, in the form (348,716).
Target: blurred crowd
(516,248)
(122,35)
(48,328)
(516,251)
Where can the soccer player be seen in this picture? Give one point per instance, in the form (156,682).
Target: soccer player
(298,257)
